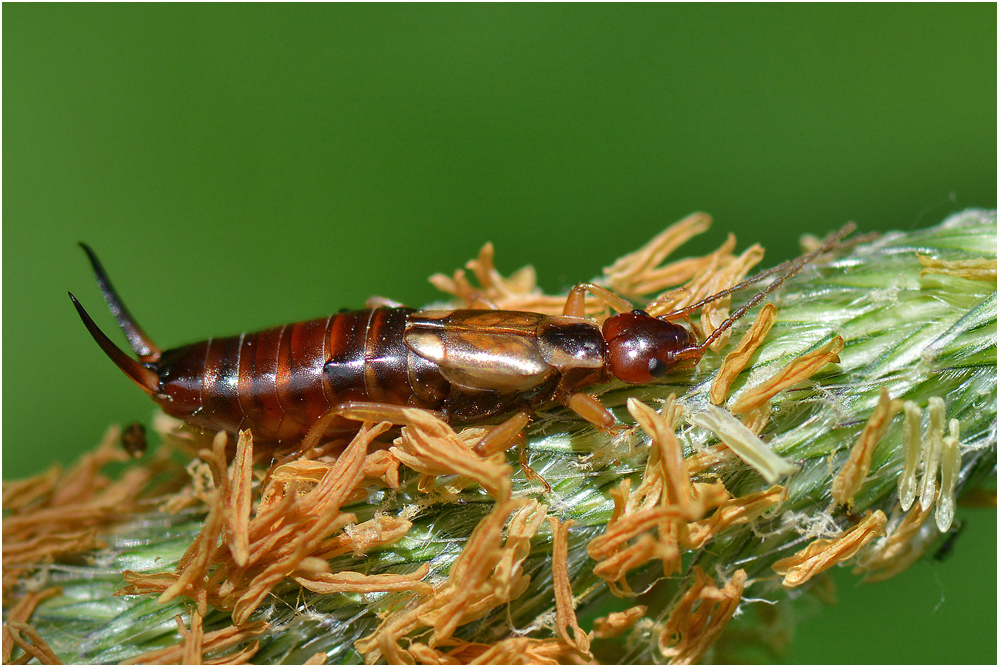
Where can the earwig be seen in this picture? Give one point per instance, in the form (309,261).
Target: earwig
(467,365)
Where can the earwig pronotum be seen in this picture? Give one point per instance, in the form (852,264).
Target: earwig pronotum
(467,365)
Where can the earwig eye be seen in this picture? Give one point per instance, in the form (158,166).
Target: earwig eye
(657,368)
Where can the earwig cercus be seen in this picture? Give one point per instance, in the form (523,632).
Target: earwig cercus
(466,364)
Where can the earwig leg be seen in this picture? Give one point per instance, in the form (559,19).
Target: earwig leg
(575,302)
(530,473)
(361,411)
(316,432)
(370,411)
(590,409)
(502,436)
(376,301)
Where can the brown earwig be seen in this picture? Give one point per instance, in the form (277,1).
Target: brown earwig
(467,364)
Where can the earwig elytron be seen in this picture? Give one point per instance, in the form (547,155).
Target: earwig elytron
(467,364)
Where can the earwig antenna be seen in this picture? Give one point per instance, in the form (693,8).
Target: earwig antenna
(793,268)
(777,269)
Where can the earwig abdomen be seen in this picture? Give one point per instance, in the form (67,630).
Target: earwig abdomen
(280,381)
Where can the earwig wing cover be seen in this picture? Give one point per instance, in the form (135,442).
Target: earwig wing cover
(481,350)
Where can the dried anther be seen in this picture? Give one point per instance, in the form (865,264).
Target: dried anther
(616,567)
(978,270)
(905,543)
(211,642)
(290,535)
(21,613)
(823,553)
(350,581)
(428,445)
(519,292)
(700,617)
(852,476)
(666,500)
(667,454)
(60,513)
(637,274)
(795,372)
(618,623)
(26,637)
(193,640)
(699,284)
(737,360)
(486,574)
(565,613)
(735,511)
(715,313)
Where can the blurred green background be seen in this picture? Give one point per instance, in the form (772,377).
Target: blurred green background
(237,167)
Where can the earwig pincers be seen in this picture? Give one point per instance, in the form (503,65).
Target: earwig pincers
(466,364)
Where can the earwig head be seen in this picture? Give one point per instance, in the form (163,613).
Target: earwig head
(642,348)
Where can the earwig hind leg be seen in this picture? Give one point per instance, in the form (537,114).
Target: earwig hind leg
(360,411)
(576,303)
(370,411)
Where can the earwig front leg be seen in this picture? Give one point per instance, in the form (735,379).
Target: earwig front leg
(576,303)
(591,409)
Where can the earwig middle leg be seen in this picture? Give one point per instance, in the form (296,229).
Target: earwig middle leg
(506,434)
(501,437)
(576,304)
(590,409)
(530,473)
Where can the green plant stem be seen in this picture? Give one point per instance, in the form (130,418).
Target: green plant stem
(915,336)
